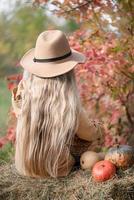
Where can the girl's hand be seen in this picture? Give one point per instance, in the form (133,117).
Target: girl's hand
(17,98)
(88,129)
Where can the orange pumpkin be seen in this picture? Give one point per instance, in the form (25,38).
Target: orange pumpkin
(121,155)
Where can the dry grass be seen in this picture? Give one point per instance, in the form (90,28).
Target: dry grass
(77,186)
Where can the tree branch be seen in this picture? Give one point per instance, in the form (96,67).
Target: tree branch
(76,7)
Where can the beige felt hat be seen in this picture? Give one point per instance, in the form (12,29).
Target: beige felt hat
(52,55)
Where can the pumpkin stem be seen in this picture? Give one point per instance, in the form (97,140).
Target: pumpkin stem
(118,145)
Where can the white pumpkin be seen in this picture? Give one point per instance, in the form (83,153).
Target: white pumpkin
(89,158)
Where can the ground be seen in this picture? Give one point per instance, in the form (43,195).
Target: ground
(79,185)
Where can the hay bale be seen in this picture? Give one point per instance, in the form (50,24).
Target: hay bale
(77,186)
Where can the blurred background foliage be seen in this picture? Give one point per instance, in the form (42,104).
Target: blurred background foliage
(19,29)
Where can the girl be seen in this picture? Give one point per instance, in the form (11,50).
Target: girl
(49,112)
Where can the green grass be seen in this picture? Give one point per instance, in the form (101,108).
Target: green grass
(6,153)
(5,103)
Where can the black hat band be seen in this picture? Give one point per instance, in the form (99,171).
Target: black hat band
(52,59)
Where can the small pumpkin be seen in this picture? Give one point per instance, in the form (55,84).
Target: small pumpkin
(89,158)
(121,155)
(103,170)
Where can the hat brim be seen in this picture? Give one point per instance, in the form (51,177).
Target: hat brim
(51,69)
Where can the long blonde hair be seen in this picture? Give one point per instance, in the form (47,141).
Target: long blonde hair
(48,121)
